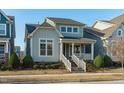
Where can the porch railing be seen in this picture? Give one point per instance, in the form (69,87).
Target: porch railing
(85,56)
(79,62)
(66,62)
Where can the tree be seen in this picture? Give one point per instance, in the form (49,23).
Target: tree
(27,62)
(116,47)
(14,61)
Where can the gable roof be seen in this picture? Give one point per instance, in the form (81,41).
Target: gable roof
(93,31)
(5,15)
(30,28)
(65,21)
(116,21)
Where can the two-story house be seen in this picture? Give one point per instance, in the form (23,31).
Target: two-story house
(59,39)
(111,29)
(7,35)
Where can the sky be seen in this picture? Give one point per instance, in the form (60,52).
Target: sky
(87,16)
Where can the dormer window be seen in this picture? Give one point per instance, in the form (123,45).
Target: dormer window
(69,29)
(63,29)
(119,32)
(2,29)
(75,29)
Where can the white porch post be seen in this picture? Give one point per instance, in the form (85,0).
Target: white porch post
(72,48)
(6,47)
(61,48)
(92,51)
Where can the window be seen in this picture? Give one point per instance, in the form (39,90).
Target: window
(2,29)
(1,49)
(46,47)
(88,48)
(63,29)
(75,29)
(69,29)
(119,32)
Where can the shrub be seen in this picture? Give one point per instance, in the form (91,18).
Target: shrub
(27,62)
(90,67)
(3,68)
(14,61)
(36,67)
(107,61)
(42,67)
(9,67)
(55,66)
(98,62)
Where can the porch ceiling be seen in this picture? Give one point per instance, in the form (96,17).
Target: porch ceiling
(79,40)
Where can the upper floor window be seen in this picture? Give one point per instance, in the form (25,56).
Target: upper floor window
(119,32)
(63,29)
(2,29)
(75,29)
(69,29)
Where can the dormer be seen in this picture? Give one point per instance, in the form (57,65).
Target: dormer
(67,27)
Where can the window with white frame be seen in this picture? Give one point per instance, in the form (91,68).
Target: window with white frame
(63,29)
(2,29)
(119,32)
(46,47)
(75,29)
(69,29)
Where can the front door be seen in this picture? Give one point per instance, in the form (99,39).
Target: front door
(77,50)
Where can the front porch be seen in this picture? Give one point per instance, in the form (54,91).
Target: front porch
(4,50)
(82,48)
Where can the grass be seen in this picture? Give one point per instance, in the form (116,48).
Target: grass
(33,72)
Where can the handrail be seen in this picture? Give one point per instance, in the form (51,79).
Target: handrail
(66,62)
(76,60)
(79,63)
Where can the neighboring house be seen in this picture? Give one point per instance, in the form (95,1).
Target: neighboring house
(98,46)
(7,35)
(59,39)
(111,29)
(18,50)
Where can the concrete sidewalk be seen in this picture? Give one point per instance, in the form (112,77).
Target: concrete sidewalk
(69,74)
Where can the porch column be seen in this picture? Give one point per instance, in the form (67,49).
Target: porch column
(72,48)
(6,46)
(92,51)
(61,48)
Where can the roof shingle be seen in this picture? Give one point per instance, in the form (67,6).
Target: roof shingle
(65,21)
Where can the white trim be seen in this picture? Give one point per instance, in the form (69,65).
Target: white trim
(46,47)
(0,17)
(71,27)
(31,47)
(4,29)
(10,30)
(92,51)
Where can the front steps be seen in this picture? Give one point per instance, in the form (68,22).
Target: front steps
(75,68)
